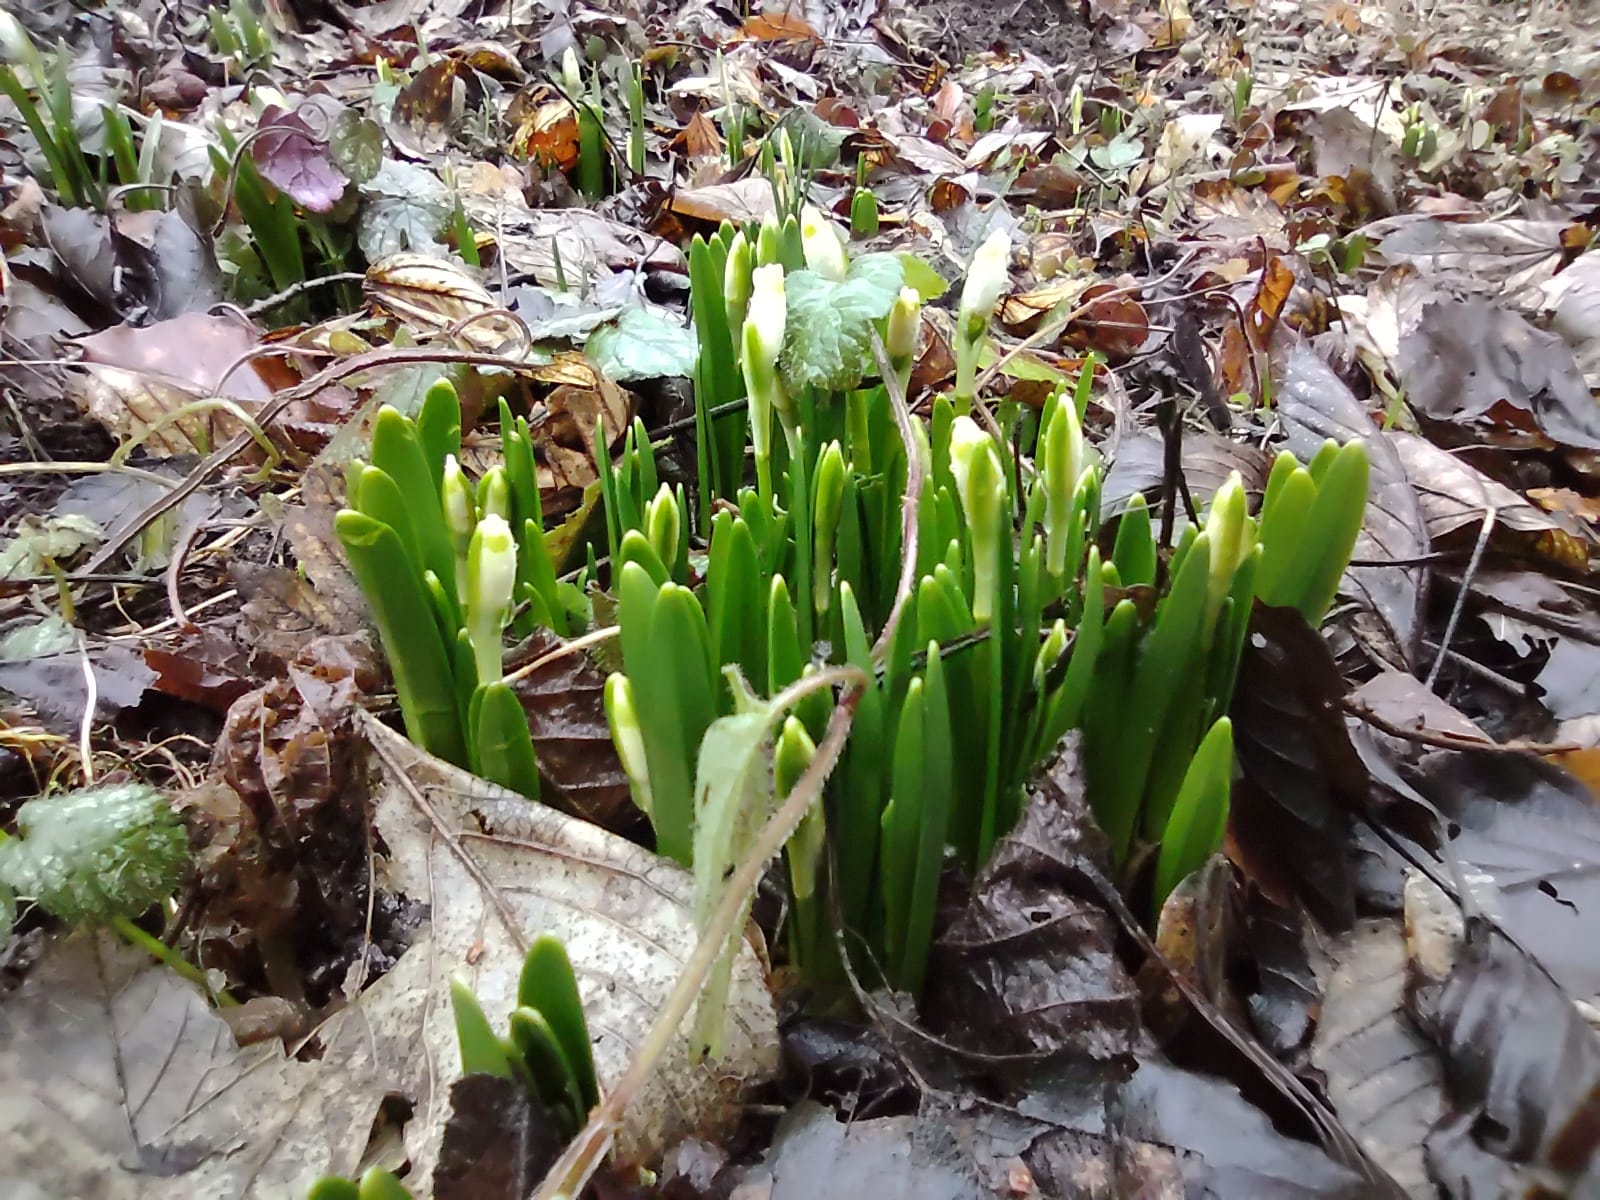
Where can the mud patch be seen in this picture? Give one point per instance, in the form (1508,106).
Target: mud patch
(1054,30)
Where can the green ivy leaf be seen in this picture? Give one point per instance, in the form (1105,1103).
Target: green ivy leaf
(643,345)
(922,278)
(828,337)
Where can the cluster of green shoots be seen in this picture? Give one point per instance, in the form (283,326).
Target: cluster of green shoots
(1025,615)
(42,94)
(546,1049)
(586,94)
(447,565)
(239,36)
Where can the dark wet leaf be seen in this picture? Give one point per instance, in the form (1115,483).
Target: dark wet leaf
(41,662)
(1284,1004)
(1315,404)
(1467,356)
(1028,970)
(1538,600)
(1522,1063)
(1302,777)
(497,1143)
(186,277)
(1381,1075)
(895,1158)
(1228,1147)
(82,241)
(1533,831)
(850,1066)
(296,161)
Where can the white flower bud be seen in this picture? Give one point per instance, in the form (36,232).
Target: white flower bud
(823,246)
(491,585)
(987,279)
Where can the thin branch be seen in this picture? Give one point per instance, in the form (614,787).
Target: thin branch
(384,356)
(1455,741)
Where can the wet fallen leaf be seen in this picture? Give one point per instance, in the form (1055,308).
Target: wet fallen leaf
(1028,970)
(1383,1077)
(1466,357)
(1524,1067)
(296,161)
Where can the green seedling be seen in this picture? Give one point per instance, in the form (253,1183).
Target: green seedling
(446,571)
(45,105)
(584,96)
(546,1048)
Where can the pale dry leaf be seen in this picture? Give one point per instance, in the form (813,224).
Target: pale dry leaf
(589,244)
(494,870)
(1383,1079)
(119,1081)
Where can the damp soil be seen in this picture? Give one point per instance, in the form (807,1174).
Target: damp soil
(1054,30)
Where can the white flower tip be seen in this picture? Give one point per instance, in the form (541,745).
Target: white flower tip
(824,248)
(988,276)
(768,308)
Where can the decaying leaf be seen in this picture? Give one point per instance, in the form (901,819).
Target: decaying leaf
(1028,970)
(494,870)
(1383,1078)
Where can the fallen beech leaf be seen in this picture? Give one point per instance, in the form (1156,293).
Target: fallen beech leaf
(1115,324)
(700,138)
(740,202)
(1383,1078)
(777,27)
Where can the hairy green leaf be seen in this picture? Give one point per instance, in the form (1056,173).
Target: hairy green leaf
(828,336)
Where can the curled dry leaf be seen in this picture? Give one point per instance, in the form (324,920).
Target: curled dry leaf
(437,295)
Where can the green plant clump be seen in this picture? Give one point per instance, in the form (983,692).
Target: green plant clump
(546,1048)
(1027,613)
(446,567)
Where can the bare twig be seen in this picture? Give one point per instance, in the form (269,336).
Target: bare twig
(1455,741)
(384,356)
(1461,596)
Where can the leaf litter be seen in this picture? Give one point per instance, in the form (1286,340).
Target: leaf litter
(1363,223)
